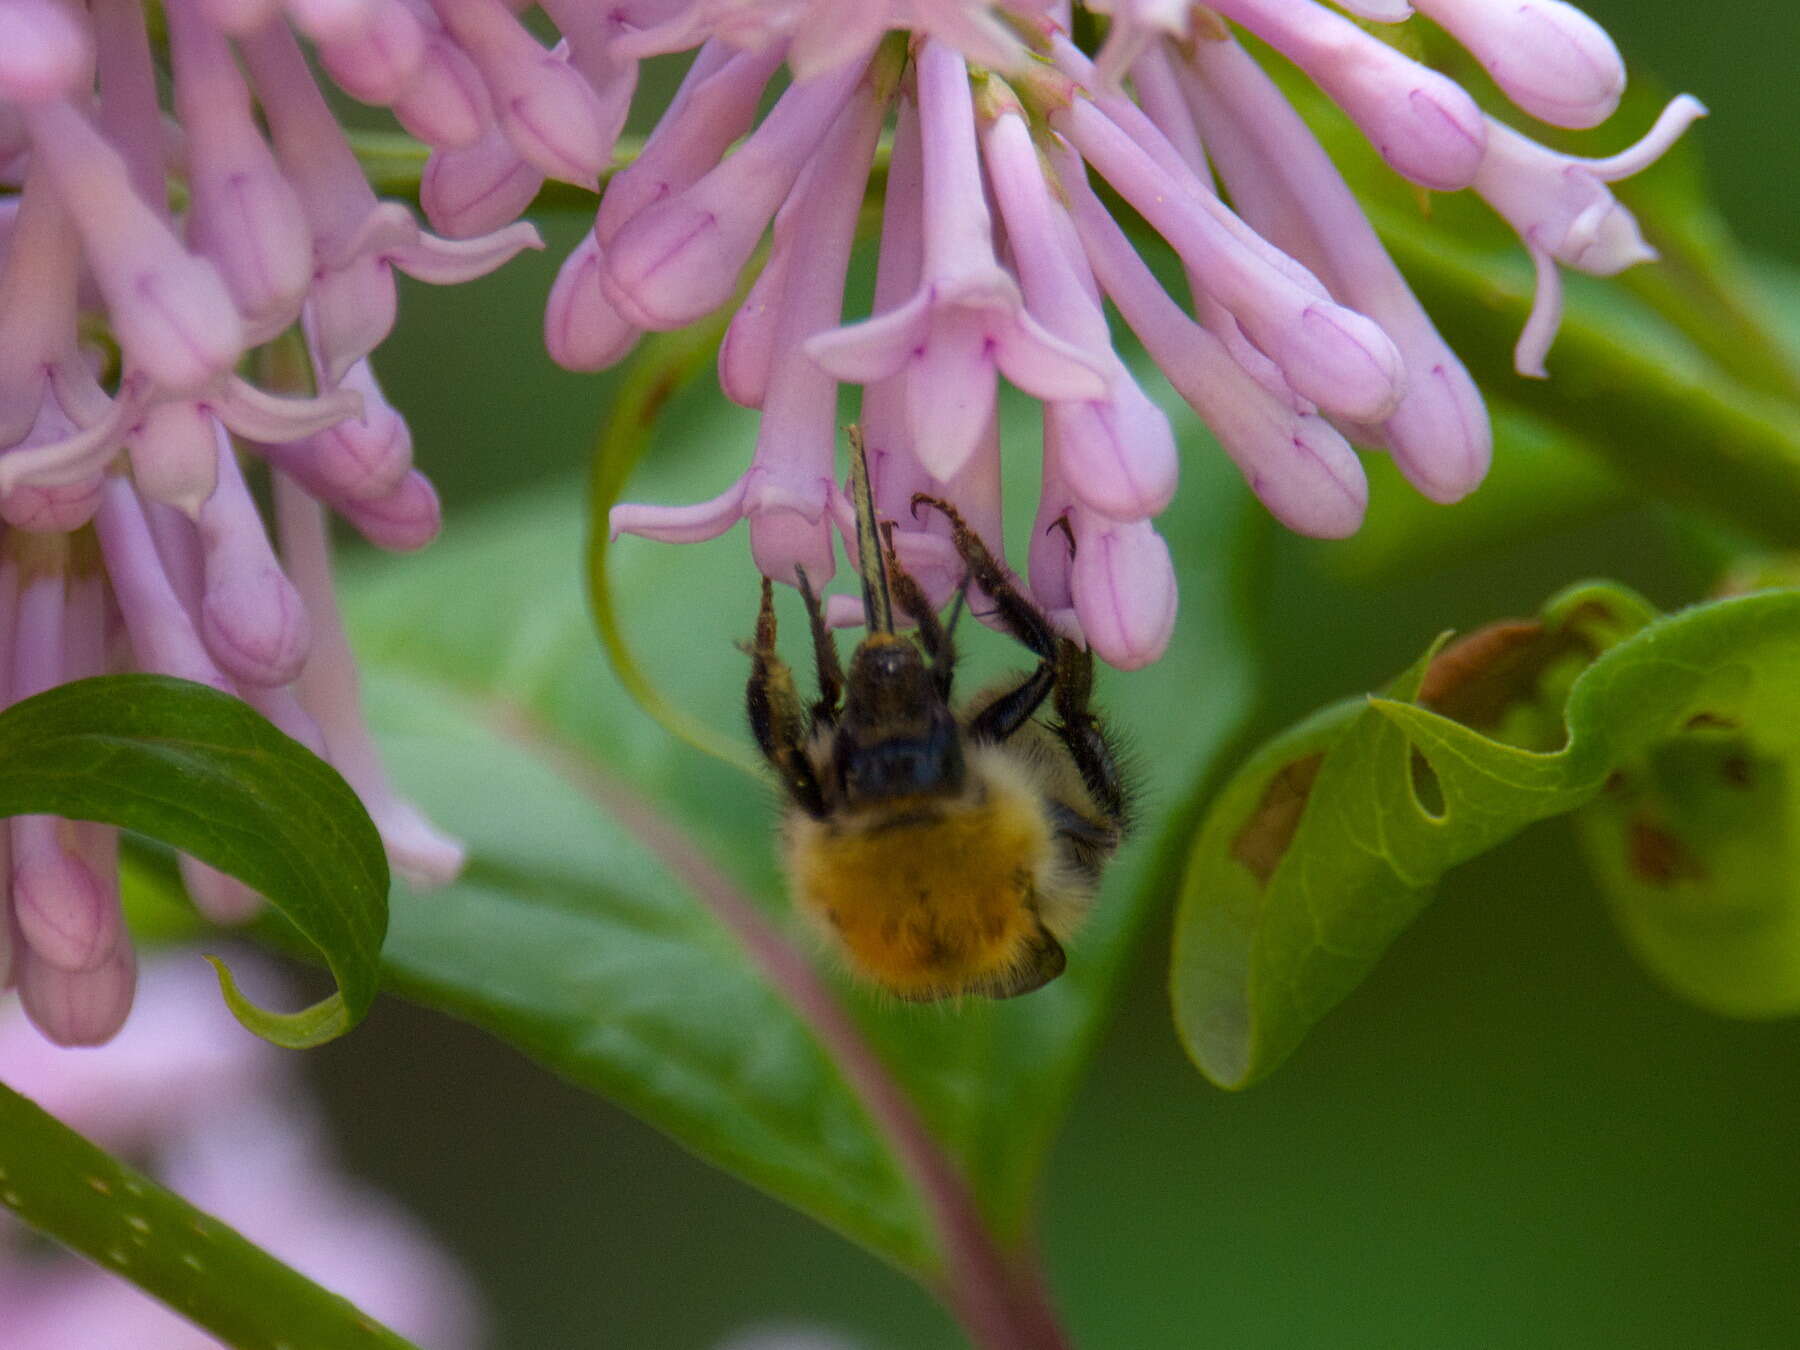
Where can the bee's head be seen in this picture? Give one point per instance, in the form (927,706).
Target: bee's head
(897,738)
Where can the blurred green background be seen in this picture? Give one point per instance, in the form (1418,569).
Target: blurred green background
(1509,1137)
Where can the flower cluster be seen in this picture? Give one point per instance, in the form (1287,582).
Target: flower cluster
(129,536)
(182,209)
(1298,337)
(217,1116)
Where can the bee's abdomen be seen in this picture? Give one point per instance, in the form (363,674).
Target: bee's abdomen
(930,900)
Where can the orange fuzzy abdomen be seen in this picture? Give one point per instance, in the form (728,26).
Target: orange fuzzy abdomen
(928,902)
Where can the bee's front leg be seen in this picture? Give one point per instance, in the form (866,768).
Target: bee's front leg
(776,718)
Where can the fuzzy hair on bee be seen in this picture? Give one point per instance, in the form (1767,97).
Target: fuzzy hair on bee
(942,851)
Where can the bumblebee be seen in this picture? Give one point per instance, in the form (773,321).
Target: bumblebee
(944,853)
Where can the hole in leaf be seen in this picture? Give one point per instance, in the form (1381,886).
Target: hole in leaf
(1426,790)
(1263,841)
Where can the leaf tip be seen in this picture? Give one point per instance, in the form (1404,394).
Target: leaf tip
(324,1021)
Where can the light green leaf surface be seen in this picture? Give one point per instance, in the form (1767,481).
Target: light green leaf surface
(206,774)
(568,940)
(1331,839)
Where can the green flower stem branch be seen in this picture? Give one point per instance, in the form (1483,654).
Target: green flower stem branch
(664,364)
(89,1201)
(1000,1302)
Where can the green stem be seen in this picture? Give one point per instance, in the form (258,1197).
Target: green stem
(89,1201)
(394,164)
(663,365)
(1702,287)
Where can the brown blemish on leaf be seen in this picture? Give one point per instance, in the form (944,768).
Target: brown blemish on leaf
(1737,771)
(1655,856)
(1264,839)
(1706,721)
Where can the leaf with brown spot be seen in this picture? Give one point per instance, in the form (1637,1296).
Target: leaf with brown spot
(1321,850)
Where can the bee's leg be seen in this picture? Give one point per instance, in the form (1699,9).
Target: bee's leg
(776,718)
(1023,620)
(1084,736)
(934,636)
(825,657)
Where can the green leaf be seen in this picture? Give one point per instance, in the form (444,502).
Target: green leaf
(1331,839)
(566,938)
(65,1187)
(1696,838)
(206,774)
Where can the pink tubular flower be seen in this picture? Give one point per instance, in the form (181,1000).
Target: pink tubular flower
(1298,337)
(216,1115)
(130,535)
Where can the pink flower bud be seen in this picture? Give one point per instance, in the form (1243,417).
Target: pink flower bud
(403,520)
(446,105)
(1123,585)
(1546,56)
(171,312)
(331,20)
(679,259)
(251,618)
(477,187)
(163,635)
(221,898)
(1421,122)
(551,115)
(377,64)
(582,329)
(45,51)
(1287,187)
(1118,451)
(1298,464)
(245,216)
(1334,356)
(67,913)
(175,454)
(78,1007)
(363,457)
(713,107)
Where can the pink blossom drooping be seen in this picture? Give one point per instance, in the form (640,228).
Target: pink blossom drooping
(239,317)
(1297,335)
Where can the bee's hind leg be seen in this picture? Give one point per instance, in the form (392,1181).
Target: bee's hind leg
(1082,733)
(776,718)
(1024,620)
